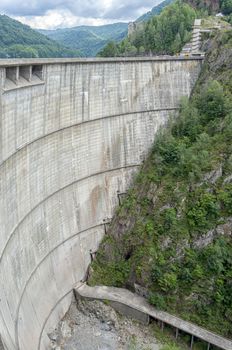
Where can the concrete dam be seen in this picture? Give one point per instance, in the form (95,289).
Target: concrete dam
(73,134)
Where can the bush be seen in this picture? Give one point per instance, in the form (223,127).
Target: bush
(157,300)
(226,7)
(211,103)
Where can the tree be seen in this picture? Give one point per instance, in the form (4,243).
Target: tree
(211,103)
(110,50)
(163,34)
(226,7)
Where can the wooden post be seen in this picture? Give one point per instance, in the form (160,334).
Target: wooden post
(106,223)
(208,347)
(192,341)
(162,326)
(119,198)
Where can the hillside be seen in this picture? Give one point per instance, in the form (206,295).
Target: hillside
(19,40)
(211,7)
(92,39)
(88,39)
(162,34)
(172,233)
(156,10)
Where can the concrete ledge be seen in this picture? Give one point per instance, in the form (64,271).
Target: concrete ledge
(22,86)
(35,61)
(135,302)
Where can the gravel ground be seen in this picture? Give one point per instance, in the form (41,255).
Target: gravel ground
(93,325)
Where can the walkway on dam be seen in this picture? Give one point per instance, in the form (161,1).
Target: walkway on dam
(135,302)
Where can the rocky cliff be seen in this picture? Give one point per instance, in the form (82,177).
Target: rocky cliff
(212,6)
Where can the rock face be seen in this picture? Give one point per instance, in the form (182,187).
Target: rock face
(212,6)
(224,229)
(73,133)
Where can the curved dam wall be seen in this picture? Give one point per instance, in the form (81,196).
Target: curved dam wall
(73,134)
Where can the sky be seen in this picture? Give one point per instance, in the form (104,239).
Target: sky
(52,14)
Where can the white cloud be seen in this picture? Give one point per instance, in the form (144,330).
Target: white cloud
(68,13)
(60,19)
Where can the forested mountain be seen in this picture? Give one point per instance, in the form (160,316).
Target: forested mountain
(91,39)
(154,11)
(88,39)
(19,40)
(162,34)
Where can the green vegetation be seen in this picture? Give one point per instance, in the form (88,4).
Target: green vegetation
(226,7)
(208,7)
(19,40)
(163,34)
(172,234)
(170,347)
(211,7)
(88,39)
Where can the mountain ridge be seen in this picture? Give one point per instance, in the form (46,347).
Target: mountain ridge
(19,40)
(88,39)
(83,37)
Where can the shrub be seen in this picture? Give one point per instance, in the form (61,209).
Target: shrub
(212,102)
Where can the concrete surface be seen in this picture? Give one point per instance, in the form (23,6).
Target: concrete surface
(137,303)
(67,145)
(38,61)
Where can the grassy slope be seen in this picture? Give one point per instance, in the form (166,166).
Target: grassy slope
(172,234)
(19,40)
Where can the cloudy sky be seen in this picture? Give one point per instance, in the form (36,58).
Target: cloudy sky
(50,14)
